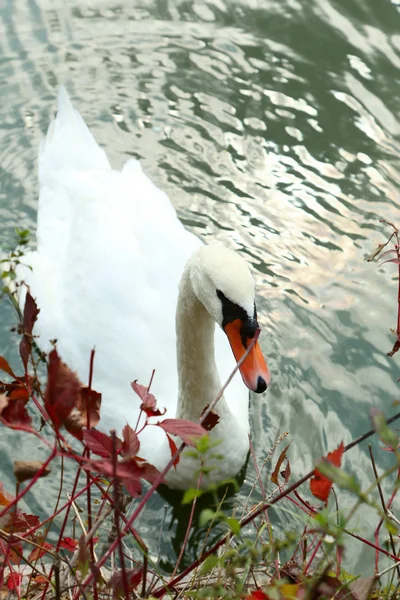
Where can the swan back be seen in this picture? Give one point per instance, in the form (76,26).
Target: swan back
(110,255)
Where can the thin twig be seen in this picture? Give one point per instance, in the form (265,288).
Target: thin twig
(189,526)
(169,465)
(385,510)
(160,591)
(117,513)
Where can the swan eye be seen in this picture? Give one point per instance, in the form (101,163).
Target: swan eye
(232,311)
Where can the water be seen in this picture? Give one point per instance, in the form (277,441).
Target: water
(273,126)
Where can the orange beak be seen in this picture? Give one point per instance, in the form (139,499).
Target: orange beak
(254,370)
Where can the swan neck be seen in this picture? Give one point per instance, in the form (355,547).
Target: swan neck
(198,378)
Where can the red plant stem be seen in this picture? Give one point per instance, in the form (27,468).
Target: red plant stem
(378,548)
(264,497)
(60,510)
(117,513)
(398,288)
(313,555)
(42,411)
(293,501)
(376,534)
(385,510)
(131,530)
(12,572)
(162,590)
(231,376)
(398,303)
(151,380)
(299,545)
(308,506)
(170,464)
(89,495)
(73,494)
(338,561)
(376,537)
(66,516)
(30,484)
(5,552)
(185,541)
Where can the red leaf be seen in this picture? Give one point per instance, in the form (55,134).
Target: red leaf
(15,553)
(31,312)
(392,251)
(17,391)
(39,552)
(20,522)
(98,442)
(38,579)
(139,469)
(257,595)
(133,578)
(86,413)
(131,444)
(130,471)
(211,420)
(62,392)
(13,414)
(147,471)
(69,544)
(4,366)
(186,430)
(173,448)
(89,403)
(320,485)
(149,403)
(106,467)
(14,581)
(133,487)
(25,348)
(396,261)
(31,520)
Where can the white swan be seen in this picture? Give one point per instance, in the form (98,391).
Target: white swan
(110,254)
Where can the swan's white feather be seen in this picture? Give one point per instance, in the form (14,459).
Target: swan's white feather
(110,255)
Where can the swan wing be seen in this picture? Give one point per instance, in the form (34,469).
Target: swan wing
(110,254)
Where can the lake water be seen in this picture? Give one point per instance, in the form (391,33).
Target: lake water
(274,127)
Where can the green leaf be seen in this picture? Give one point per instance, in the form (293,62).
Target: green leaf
(209,563)
(206,515)
(203,444)
(191,454)
(233,525)
(387,435)
(190,495)
(22,233)
(391,527)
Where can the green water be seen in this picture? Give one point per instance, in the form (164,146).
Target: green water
(273,126)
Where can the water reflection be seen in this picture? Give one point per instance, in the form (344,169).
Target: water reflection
(272,128)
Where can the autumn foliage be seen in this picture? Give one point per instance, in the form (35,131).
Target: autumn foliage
(320,485)
(34,565)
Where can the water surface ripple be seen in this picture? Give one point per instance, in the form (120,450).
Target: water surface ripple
(273,126)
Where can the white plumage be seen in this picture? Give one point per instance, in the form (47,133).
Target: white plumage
(110,254)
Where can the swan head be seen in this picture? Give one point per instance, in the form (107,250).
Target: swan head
(222,281)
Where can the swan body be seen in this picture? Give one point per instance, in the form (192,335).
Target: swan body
(113,267)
